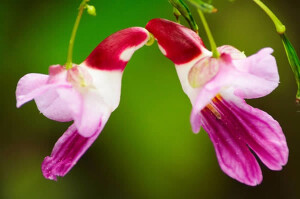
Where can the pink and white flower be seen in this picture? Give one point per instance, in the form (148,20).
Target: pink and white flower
(86,94)
(217,89)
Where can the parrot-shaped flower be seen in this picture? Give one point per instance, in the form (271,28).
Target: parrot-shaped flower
(217,88)
(86,94)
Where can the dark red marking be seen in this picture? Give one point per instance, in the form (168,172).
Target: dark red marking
(181,44)
(106,56)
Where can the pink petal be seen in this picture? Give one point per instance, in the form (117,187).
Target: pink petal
(67,151)
(114,52)
(93,111)
(178,43)
(196,122)
(263,134)
(234,53)
(204,97)
(257,75)
(234,157)
(30,86)
(55,107)
(44,90)
(57,74)
(88,110)
(223,79)
(234,125)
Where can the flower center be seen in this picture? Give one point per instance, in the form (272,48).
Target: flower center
(203,71)
(214,111)
(212,107)
(79,77)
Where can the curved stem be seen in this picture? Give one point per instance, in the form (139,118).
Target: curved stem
(73,35)
(280,28)
(212,42)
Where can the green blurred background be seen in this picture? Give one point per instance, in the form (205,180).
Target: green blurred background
(147,149)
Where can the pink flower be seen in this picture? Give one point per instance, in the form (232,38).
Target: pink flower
(87,94)
(217,89)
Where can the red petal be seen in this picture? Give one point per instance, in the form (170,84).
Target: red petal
(107,55)
(180,43)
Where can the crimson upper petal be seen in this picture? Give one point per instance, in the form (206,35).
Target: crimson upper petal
(178,43)
(114,52)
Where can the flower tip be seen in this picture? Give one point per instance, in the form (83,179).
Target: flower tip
(195,130)
(214,10)
(49,176)
(18,105)
(195,122)
(47,172)
(51,168)
(256,182)
(249,181)
(267,50)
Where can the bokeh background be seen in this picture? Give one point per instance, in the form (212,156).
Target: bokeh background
(147,149)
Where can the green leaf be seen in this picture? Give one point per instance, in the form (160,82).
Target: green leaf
(185,12)
(293,60)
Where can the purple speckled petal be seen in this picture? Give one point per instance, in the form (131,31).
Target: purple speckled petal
(234,157)
(262,133)
(233,126)
(66,152)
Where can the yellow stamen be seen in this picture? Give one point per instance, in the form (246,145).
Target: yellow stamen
(214,111)
(217,98)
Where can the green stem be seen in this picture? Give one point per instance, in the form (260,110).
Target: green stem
(73,35)
(280,28)
(212,42)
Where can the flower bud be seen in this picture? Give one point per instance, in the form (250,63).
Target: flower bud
(91,10)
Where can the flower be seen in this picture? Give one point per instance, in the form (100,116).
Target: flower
(217,88)
(87,94)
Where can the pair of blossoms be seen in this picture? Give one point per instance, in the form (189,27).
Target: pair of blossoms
(89,92)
